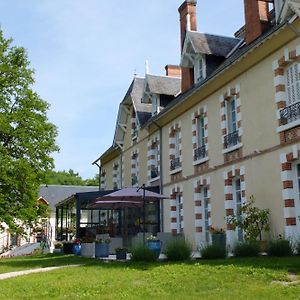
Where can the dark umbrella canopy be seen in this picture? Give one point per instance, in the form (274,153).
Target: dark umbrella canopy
(132,194)
(115,204)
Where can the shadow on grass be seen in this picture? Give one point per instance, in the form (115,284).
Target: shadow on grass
(286,264)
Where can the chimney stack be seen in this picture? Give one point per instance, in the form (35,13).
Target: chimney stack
(173,71)
(188,21)
(256,19)
(187,12)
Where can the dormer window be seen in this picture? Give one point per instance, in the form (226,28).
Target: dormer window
(155,104)
(199,68)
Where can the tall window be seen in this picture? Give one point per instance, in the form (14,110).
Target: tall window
(155,104)
(231,115)
(292,84)
(237,194)
(154,168)
(178,210)
(200,131)
(199,69)
(206,215)
(177,148)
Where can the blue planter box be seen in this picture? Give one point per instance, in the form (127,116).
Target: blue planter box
(101,250)
(76,249)
(154,246)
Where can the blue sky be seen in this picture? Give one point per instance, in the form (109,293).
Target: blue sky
(85,53)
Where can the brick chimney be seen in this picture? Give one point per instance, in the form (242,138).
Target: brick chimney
(187,12)
(188,7)
(173,71)
(256,19)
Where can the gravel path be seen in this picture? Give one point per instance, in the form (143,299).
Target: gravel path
(25,272)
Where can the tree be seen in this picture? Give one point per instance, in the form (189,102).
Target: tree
(64,178)
(27,139)
(70,178)
(252,220)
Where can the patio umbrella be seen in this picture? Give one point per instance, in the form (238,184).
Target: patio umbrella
(132,193)
(129,196)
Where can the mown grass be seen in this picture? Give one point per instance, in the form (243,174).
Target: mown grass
(40,261)
(250,278)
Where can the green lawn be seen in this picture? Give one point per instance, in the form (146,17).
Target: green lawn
(255,278)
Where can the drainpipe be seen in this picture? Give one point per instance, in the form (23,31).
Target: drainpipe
(161,187)
(121,168)
(99,168)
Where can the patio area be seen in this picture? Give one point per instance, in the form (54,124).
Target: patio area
(76,218)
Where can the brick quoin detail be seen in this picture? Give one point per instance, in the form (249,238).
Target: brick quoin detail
(228,190)
(176,210)
(152,165)
(288,192)
(279,65)
(228,95)
(175,128)
(199,207)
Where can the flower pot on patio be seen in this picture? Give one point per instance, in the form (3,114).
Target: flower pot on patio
(219,239)
(121,253)
(154,245)
(101,249)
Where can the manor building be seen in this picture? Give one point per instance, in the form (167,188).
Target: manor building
(222,126)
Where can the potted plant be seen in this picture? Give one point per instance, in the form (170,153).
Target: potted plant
(218,237)
(121,253)
(102,247)
(76,247)
(58,247)
(88,246)
(253,221)
(154,244)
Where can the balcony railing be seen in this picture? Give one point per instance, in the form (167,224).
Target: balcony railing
(134,180)
(175,163)
(290,113)
(231,139)
(154,172)
(200,152)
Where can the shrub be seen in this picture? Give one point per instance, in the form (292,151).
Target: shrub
(67,246)
(298,248)
(178,249)
(142,253)
(279,247)
(246,249)
(213,252)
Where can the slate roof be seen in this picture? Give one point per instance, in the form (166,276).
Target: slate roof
(135,94)
(56,193)
(164,85)
(212,44)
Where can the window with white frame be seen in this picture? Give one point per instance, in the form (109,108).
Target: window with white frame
(178,210)
(200,131)
(232,137)
(206,214)
(297,200)
(155,104)
(292,84)
(199,69)
(237,197)
(154,168)
(177,148)
(231,115)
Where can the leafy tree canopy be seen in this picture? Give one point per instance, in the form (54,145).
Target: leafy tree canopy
(27,139)
(69,178)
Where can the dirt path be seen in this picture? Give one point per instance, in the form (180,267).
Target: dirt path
(39,270)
